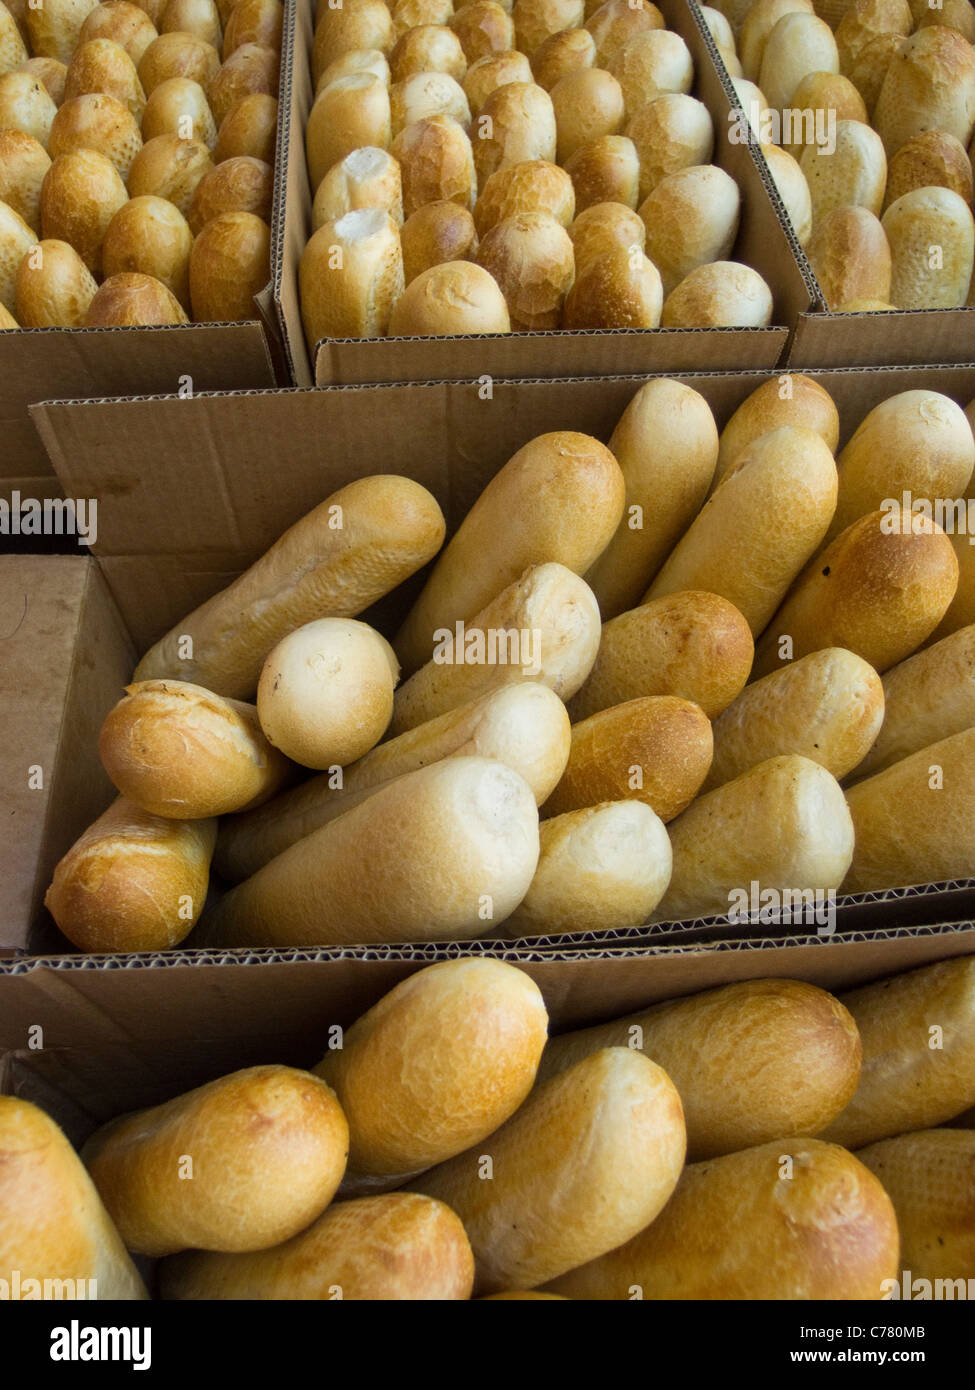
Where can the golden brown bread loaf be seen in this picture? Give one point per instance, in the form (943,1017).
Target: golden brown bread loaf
(351,277)
(850,256)
(523,725)
(531,258)
(23,164)
(821,93)
(436,1065)
(151,237)
(782,825)
(798,44)
(516,122)
(436,233)
(864,20)
(930,85)
(242,184)
(133,300)
(961,610)
(358,24)
(81,193)
(53,1226)
(827,706)
(366,178)
(615,23)
(656,749)
(427,48)
(853,172)
(561,53)
(338,559)
(398,1246)
(483,27)
(249,127)
(492,71)
(759,20)
(791,399)
(605,227)
(793,189)
(774,1205)
(604,1141)
(750,1060)
(229,266)
(670,132)
(932,158)
(652,64)
(436,161)
(694,645)
(241,1163)
(724,294)
(439,854)
(427,94)
(453,298)
(588,104)
(169,167)
(535,185)
(537,20)
(132,881)
(918,1035)
(54,290)
(691,218)
(620,289)
(605,170)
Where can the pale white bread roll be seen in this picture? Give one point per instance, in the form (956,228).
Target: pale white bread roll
(651,64)
(850,257)
(793,1219)
(440,854)
(620,289)
(604,1141)
(930,1178)
(393,1247)
(599,868)
(483,26)
(356,60)
(694,645)
(718,27)
(916,441)
(691,219)
(350,112)
(605,227)
(754,111)
(724,294)
(438,1064)
(854,172)
(562,53)
(53,1226)
(793,189)
(750,1060)
(827,707)
(544,627)
(865,20)
(132,881)
(341,557)
(917,223)
(879,589)
(615,23)
(669,133)
(915,821)
(912,1077)
(761,524)
(427,48)
(537,20)
(435,234)
(177,750)
(267,1148)
(357,24)
(427,94)
(535,185)
(783,824)
(933,158)
(492,71)
(930,85)
(456,297)
(531,258)
(525,726)
(760,19)
(558,499)
(516,122)
(820,99)
(656,749)
(588,104)
(798,44)
(789,399)
(351,277)
(436,161)
(605,170)
(666,444)
(928,697)
(366,178)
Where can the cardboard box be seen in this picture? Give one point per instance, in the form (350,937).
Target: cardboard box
(824,339)
(171,536)
(762,242)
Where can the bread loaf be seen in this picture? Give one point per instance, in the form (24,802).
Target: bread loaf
(80,195)
(516,123)
(605,227)
(358,24)
(854,173)
(791,399)
(793,189)
(436,161)
(932,158)
(492,71)
(760,19)
(798,44)
(614,24)
(670,133)
(356,60)
(229,266)
(169,167)
(621,289)
(532,186)
(530,257)
(427,94)
(435,234)
(366,178)
(537,20)
(23,165)
(916,223)
(821,97)
(567,51)
(605,170)
(724,294)
(588,104)
(427,48)
(930,85)
(350,113)
(850,257)
(53,289)
(651,64)
(865,20)
(453,298)
(691,219)
(483,27)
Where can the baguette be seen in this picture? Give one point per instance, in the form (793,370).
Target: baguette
(604,1141)
(524,726)
(177,750)
(760,526)
(558,499)
(750,1060)
(436,1065)
(264,1151)
(918,1035)
(782,825)
(341,557)
(791,399)
(793,1219)
(439,854)
(828,707)
(915,822)
(693,645)
(398,1246)
(879,589)
(544,627)
(656,749)
(918,221)
(599,868)
(53,1226)
(132,881)
(666,443)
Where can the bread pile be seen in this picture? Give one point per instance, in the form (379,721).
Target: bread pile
(628,690)
(487,168)
(136,160)
(759,1140)
(886,216)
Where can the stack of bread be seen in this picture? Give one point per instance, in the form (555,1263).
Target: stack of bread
(762,1140)
(628,691)
(136,160)
(866,110)
(489,168)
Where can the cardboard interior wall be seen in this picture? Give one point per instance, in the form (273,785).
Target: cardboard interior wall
(762,242)
(824,339)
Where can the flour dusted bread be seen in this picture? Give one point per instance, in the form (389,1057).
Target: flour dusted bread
(267,1148)
(366,178)
(53,1225)
(390,527)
